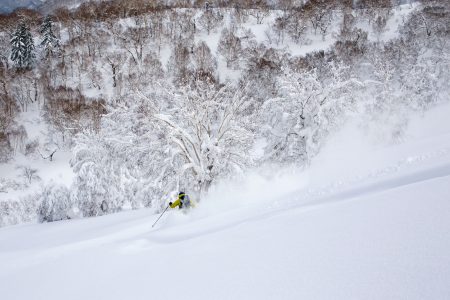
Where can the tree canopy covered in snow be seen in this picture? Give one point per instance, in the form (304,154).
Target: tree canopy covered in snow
(22,47)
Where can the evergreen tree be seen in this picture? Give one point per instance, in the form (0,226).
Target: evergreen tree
(22,53)
(49,42)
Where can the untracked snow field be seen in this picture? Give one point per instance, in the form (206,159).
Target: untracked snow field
(367,220)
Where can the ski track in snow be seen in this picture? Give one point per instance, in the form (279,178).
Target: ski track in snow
(315,199)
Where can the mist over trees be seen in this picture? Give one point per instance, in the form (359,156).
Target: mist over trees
(154,97)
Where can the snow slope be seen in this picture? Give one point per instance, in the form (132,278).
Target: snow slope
(366,221)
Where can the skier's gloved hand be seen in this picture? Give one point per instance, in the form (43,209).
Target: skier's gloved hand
(170,203)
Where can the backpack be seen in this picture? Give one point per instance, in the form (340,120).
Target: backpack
(185,201)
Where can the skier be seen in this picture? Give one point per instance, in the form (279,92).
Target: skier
(183,202)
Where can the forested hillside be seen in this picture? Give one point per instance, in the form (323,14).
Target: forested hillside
(114,105)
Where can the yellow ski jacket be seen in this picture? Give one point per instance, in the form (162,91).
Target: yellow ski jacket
(179,202)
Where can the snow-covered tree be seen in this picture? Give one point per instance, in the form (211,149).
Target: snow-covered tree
(210,20)
(210,132)
(50,42)
(263,68)
(97,184)
(169,139)
(309,107)
(178,64)
(55,204)
(22,47)
(124,163)
(203,63)
(230,47)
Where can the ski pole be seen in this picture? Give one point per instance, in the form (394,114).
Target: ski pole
(160,216)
